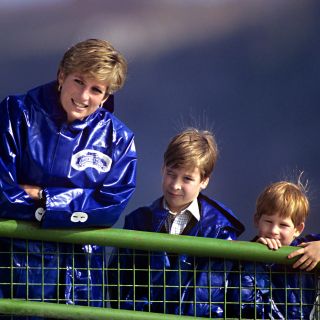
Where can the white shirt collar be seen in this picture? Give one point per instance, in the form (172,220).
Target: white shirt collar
(193,208)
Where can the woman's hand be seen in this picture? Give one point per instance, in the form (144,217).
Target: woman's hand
(32,191)
(310,252)
(273,244)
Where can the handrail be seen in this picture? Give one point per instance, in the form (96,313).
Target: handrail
(112,237)
(73,312)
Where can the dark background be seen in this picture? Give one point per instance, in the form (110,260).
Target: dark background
(247,70)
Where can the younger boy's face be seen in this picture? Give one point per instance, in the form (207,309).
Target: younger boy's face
(181,186)
(277,227)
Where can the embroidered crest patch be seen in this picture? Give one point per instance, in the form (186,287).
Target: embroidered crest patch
(91,159)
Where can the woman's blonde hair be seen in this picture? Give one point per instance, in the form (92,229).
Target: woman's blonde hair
(98,59)
(285,198)
(192,148)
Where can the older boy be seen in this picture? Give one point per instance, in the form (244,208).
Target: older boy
(188,163)
(281,211)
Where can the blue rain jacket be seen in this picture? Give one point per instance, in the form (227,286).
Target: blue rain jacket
(216,222)
(87,170)
(286,301)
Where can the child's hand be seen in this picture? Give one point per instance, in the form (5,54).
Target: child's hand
(273,244)
(310,252)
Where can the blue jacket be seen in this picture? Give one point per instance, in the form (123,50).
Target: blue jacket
(86,168)
(285,301)
(216,222)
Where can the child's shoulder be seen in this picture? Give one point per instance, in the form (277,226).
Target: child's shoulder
(143,218)
(307,238)
(137,213)
(215,211)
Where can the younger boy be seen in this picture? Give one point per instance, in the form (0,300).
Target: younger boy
(281,229)
(182,210)
(281,211)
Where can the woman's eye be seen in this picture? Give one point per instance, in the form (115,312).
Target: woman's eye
(97,90)
(78,81)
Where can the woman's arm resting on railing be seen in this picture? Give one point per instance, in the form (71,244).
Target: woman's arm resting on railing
(310,252)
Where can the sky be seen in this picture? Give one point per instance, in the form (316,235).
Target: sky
(249,72)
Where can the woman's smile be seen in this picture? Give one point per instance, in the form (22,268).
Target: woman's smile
(79,105)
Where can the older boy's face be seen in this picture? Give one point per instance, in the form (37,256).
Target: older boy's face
(181,186)
(277,227)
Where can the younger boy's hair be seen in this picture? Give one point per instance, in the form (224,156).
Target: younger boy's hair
(192,148)
(286,198)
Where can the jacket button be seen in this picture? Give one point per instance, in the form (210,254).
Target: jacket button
(79,216)
(39,213)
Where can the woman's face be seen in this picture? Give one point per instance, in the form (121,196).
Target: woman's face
(81,95)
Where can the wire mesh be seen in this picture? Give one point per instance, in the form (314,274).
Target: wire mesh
(149,284)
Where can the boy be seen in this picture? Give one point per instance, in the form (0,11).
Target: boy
(281,211)
(188,163)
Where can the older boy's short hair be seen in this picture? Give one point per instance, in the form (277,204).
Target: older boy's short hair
(192,148)
(286,198)
(97,58)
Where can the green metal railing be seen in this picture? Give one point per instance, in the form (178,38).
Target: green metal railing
(145,242)
(239,250)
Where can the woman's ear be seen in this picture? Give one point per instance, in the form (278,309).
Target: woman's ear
(60,78)
(105,98)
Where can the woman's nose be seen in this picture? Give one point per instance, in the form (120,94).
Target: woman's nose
(84,94)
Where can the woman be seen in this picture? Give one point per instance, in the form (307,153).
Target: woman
(65,160)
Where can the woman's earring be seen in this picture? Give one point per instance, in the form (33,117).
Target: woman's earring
(59,87)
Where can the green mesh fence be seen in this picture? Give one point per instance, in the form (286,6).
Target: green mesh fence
(56,274)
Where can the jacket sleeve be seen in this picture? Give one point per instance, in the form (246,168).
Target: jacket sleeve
(15,203)
(81,207)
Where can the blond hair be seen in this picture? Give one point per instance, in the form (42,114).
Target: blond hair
(98,59)
(192,148)
(288,199)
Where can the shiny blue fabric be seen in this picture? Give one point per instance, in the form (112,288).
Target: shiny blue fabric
(39,147)
(216,222)
(86,168)
(286,301)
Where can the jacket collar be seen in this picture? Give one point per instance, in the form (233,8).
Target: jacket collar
(160,214)
(46,98)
